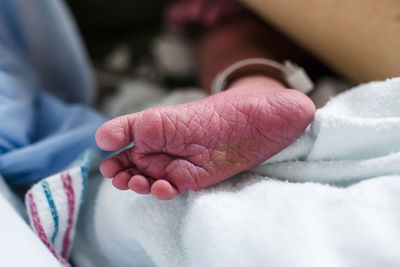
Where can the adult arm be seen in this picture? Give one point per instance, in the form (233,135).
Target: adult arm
(358,38)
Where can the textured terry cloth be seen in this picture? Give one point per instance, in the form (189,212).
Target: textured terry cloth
(40,53)
(53,207)
(330,199)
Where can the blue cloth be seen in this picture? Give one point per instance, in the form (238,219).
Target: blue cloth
(42,68)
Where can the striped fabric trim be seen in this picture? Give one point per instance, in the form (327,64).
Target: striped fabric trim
(69,192)
(85,173)
(37,225)
(53,206)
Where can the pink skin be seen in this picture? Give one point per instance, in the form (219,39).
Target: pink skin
(183,13)
(197,144)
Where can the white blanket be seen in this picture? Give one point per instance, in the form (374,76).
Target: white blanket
(330,199)
(19,246)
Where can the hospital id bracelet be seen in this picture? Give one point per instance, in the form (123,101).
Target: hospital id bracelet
(292,75)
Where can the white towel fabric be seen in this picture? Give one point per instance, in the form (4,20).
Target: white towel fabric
(330,199)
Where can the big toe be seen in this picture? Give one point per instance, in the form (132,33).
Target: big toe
(295,108)
(116,133)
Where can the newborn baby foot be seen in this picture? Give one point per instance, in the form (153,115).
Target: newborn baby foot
(197,144)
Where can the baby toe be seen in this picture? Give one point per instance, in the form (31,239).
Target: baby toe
(116,133)
(121,180)
(119,162)
(139,184)
(163,190)
(110,167)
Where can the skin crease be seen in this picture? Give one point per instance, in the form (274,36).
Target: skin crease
(193,145)
(197,144)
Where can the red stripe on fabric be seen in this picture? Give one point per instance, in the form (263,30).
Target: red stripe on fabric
(37,224)
(69,192)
